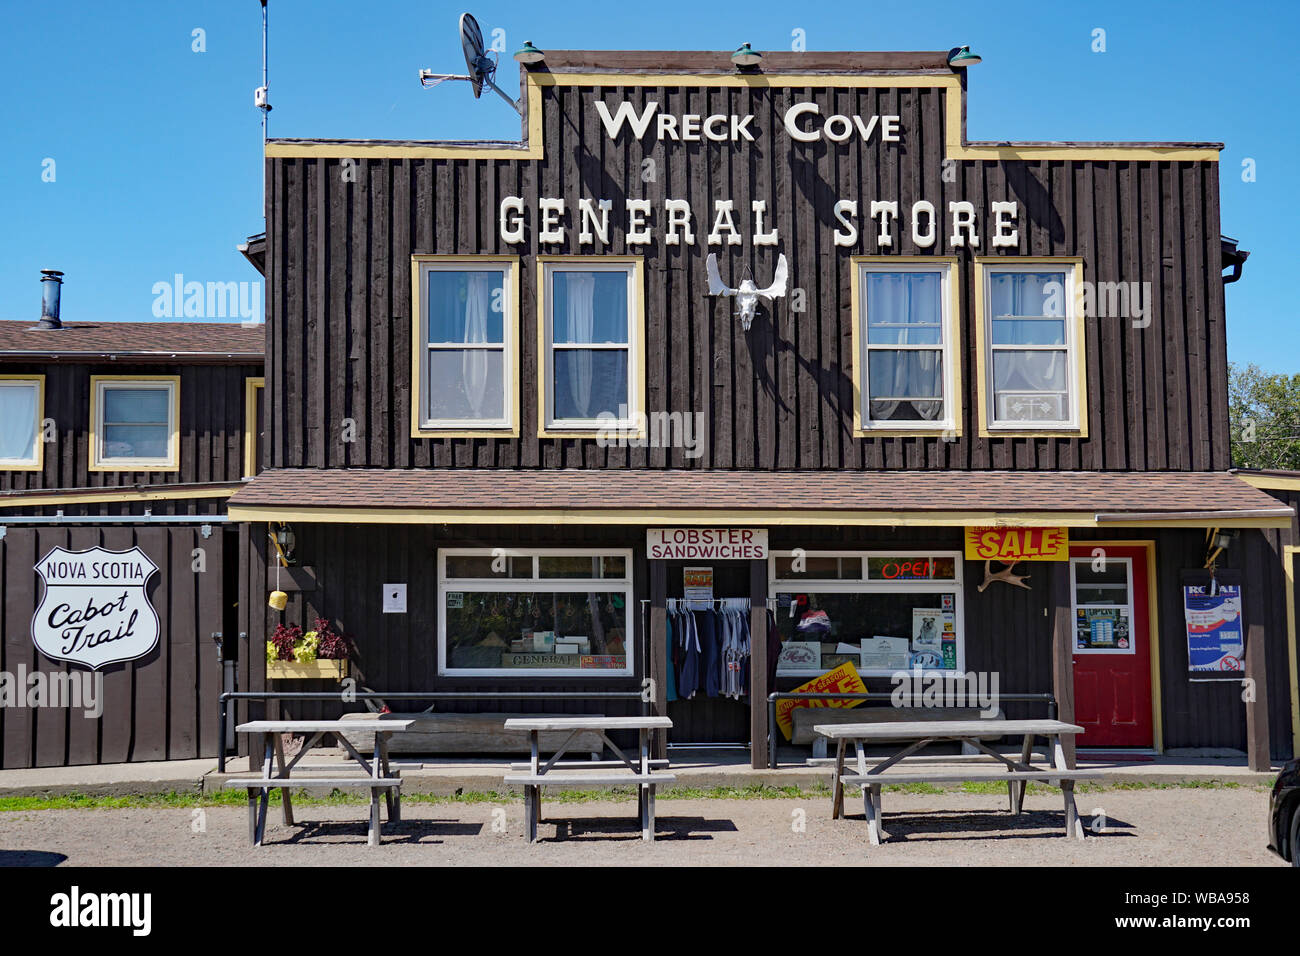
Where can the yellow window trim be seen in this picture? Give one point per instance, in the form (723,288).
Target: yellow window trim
(1079,346)
(39,463)
(173,462)
(951,349)
(955,146)
(636,370)
(1289,553)
(251,385)
(512,332)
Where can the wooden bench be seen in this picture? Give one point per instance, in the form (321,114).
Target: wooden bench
(872,784)
(443,733)
(805,718)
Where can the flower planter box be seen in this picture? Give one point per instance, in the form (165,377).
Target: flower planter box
(312,670)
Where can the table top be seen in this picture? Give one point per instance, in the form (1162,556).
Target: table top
(919,729)
(321,726)
(588,723)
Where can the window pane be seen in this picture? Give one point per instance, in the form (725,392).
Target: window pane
(135,441)
(481,566)
(568,566)
(18,422)
(1022,371)
(466,306)
(821,569)
(588,382)
(927,639)
(894,376)
(536,629)
(466,384)
(1028,332)
(1027,293)
(1109,586)
(136,404)
(904,308)
(589,307)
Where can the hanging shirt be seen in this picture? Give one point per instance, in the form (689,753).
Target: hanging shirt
(670,669)
(689,677)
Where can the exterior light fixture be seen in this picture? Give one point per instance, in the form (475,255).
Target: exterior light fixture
(961,57)
(529,54)
(746,56)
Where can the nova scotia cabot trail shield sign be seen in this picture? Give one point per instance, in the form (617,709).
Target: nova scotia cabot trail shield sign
(95,610)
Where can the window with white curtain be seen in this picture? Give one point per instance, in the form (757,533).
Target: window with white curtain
(467,350)
(907,360)
(590,349)
(1029,316)
(20,421)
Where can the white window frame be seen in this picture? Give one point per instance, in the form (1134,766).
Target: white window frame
(949,421)
(100,385)
(632,425)
(884,586)
(1075,607)
(424,426)
(37,460)
(536,584)
(1073,347)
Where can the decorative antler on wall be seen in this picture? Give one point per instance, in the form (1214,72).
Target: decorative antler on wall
(1004,575)
(747,293)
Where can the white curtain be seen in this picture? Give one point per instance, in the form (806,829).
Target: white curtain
(17,421)
(581,327)
(474,362)
(909,298)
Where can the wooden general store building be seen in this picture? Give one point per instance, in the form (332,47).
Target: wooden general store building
(495,374)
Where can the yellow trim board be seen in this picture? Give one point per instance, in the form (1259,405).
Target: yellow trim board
(39,443)
(719,517)
(950,350)
(636,360)
(513,329)
(1293,653)
(1079,346)
(1270,482)
(955,145)
(251,385)
(163,493)
(127,466)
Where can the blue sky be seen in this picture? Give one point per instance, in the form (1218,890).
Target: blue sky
(156,148)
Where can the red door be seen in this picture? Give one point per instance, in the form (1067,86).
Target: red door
(1112,645)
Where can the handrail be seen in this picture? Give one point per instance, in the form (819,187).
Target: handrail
(349,697)
(772,698)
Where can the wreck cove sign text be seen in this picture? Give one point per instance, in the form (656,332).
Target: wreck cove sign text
(95,610)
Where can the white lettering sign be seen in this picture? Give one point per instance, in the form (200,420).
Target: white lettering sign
(703,544)
(95,611)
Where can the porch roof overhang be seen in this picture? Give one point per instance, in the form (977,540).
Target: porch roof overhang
(715,497)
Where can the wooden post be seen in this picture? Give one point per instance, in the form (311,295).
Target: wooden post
(1255,686)
(758,689)
(659,651)
(1062,652)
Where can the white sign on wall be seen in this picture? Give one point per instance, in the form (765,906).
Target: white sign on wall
(394,598)
(95,611)
(705,544)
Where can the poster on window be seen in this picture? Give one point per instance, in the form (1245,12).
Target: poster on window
(1216,644)
(697,588)
(1102,629)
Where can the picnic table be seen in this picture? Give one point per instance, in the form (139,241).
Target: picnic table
(921,733)
(376,776)
(643,772)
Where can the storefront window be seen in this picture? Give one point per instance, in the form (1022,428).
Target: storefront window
(1103,605)
(542,612)
(905,614)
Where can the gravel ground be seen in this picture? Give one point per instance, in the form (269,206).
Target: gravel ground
(1176,827)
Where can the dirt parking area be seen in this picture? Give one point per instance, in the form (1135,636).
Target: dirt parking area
(1174,827)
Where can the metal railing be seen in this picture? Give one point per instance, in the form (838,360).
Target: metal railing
(349,697)
(1048,699)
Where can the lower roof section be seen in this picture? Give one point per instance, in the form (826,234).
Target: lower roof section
(703,497)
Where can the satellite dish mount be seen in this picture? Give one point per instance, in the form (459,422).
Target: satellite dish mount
(482,68)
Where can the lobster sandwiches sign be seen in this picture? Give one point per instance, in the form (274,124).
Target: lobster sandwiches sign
(95,610)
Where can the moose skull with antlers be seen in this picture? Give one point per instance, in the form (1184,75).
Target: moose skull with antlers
(747,293)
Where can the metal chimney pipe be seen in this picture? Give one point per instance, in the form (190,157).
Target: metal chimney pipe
(51,288)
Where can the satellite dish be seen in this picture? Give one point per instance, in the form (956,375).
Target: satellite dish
(482,68)
(476,59)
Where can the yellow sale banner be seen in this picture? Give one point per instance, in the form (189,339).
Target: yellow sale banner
(843,680)
(1018,544)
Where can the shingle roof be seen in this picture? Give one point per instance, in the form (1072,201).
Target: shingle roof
(738,491)
(155,339)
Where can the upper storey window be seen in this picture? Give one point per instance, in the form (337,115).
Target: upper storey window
(135,422)
(21,398)
(467,346)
